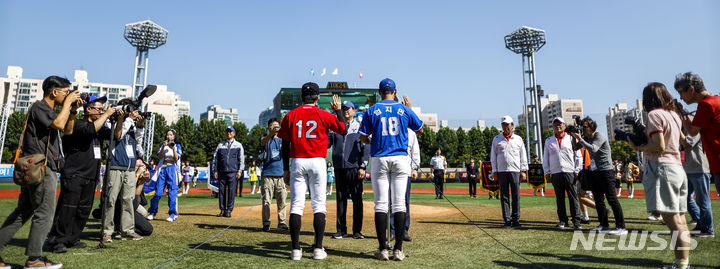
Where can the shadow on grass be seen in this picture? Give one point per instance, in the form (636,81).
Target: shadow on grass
(634,262)
(511,264)
(200,214)
(259,230)
(275,249)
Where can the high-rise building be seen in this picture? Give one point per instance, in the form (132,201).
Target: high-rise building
(553,107)
(615,118)
(266,115)
(20,93)
(214,112)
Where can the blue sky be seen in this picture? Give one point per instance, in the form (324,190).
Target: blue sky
(448,56)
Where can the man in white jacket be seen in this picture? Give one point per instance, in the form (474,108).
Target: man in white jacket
(509,164)
(562,165)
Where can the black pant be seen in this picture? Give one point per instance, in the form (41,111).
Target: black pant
(74,205)
(510,181)
(473,186)
(565,182)
(603,186)
(439,176)
(239,186)
(349,186)
(227,185)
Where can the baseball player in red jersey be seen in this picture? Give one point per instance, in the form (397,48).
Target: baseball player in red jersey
(304,134)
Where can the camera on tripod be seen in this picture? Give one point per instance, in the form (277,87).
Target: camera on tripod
(637,136)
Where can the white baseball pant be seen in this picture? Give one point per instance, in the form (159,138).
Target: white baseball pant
(390,171)
(314,170)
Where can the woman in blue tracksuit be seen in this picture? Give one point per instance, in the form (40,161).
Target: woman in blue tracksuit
(167,175)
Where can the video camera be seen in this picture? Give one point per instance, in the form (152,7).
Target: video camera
(129,106)
(637,136)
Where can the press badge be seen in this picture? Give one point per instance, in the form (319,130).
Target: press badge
(130,151)
(96,152)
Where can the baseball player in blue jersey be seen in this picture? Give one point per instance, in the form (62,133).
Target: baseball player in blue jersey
(385,127)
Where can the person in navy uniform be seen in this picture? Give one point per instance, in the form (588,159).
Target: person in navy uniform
(228,164)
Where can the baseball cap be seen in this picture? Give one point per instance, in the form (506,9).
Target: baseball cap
(229,128)
(560,119)
(310,88)
(95,99)
(387,85)
(348,104)
(507,119)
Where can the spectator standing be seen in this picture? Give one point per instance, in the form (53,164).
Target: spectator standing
(698,174)
(272,172)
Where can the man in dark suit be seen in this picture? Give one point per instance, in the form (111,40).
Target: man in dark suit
(473,171)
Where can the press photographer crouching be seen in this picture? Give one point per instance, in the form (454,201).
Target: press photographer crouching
(121,181)
(41,136)
(78,179)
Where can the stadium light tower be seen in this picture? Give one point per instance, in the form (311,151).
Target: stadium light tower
(144,35)
(527,41)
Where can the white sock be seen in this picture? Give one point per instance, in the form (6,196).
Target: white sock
(585,215)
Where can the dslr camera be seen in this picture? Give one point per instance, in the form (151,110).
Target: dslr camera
(575,128)
(637,136)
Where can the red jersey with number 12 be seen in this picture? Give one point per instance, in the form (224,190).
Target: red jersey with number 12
(306,128)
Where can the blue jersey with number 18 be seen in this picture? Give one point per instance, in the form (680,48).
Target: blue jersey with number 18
(388,122)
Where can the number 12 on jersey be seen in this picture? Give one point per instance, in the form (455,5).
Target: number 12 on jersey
(311,123)
(390,126)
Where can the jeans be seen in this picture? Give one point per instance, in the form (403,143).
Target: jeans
(700,209)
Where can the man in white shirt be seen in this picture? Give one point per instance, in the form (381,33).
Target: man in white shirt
(509,166)
(437,168)
(562,165)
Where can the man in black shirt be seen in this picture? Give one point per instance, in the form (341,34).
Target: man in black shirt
(38,201)
(78,177)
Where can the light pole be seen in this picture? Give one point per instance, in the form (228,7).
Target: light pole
(144,35)
(526,41)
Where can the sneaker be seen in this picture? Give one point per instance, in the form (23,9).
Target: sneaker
(674,266)
(382,255)
(59,248)
(561,225)
(653,217)
(601,229)
(703,234)
(283,227)
(78,244)
(132,236)
(319,254)
(618,231)
(42,262)
(398,255)
(296,254)
(407,238)
(577,226)
(107,238)
(117,236)
(338,235)
(358,236)
(151,217)
(585,221)
(171,218)
(266,228)
(631,196)
(3,265)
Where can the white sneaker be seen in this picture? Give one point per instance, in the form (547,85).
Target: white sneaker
(151,217)
(653,217)
(398,255)
(319,254)
(618,231)
(296,254)
(601,229)
(171,219)
(382,255)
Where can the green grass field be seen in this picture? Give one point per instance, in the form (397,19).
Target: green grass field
(442,238)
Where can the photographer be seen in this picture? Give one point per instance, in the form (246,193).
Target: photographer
(169,155)
(664,180)
(41,136)
(602,176)
(706,121)
(79,176)
(121,179)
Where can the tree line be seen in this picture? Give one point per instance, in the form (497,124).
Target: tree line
(199,140)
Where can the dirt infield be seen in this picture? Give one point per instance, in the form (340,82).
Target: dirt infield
(14,193)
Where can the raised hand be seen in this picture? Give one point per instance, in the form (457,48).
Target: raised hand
(336,102)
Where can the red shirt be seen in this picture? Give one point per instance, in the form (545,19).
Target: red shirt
(707,118)
(306,128)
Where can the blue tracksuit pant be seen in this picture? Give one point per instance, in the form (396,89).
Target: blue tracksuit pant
(167,176)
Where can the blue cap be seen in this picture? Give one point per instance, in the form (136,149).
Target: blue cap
(229,128)
(348,104)
(387,85)
(93,98)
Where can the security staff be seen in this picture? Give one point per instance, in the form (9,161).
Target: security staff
(438,164)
